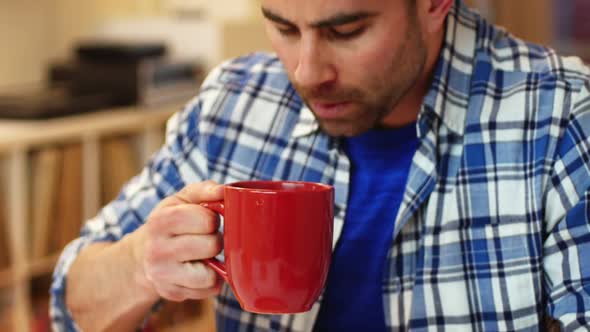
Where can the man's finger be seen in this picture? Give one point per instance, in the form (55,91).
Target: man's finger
(195,193)
(184,219)
(191,248)
(178,293)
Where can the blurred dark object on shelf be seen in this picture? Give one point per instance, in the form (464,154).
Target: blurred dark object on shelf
(42,102)
(106,74)
(146,82)
(116,51)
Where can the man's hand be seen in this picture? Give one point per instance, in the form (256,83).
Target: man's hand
(112,286)
(178,234)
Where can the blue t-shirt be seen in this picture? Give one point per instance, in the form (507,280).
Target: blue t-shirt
(380,160)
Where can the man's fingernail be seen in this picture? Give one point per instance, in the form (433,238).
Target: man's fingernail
(214,187)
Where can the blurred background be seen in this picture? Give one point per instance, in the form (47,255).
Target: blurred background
(85,90)
(36,33)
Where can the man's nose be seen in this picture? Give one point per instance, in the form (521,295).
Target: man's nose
(313,68)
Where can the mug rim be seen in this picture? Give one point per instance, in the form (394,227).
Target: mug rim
(311,187)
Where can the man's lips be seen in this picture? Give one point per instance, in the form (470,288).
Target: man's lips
(330,110)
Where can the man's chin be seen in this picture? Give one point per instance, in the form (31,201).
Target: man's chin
(342,128)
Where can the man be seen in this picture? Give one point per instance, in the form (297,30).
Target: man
(459,154)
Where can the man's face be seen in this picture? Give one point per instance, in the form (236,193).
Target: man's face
(350,60)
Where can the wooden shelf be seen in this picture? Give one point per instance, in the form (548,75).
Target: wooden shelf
(19,139)
(35,269)
(42,266)
(16,134)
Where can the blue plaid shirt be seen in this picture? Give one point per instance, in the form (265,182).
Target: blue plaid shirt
(493,231)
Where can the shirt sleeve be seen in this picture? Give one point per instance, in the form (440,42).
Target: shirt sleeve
(567,214)
(167,172)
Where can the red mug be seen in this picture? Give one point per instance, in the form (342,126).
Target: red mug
(277,243)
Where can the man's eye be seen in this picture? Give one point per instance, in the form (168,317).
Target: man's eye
(287,31)
(346,33)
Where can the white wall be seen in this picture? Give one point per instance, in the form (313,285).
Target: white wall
(218,9)
(33,32)
(26,41)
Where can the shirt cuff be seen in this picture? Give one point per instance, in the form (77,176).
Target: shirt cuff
(61,317)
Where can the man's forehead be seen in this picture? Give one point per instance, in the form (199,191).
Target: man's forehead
(309,11)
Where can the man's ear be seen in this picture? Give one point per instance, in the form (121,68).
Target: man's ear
(437,14)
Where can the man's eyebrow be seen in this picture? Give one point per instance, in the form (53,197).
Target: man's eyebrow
(336,20)
(342,19)
(275,17)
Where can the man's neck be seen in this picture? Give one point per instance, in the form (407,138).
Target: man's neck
(407,109)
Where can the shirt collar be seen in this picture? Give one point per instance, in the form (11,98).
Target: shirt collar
(448,95)
(307,124)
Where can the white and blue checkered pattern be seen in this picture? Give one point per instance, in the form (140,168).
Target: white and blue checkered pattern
(493,232)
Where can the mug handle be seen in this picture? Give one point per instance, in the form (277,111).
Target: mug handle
(214,263)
